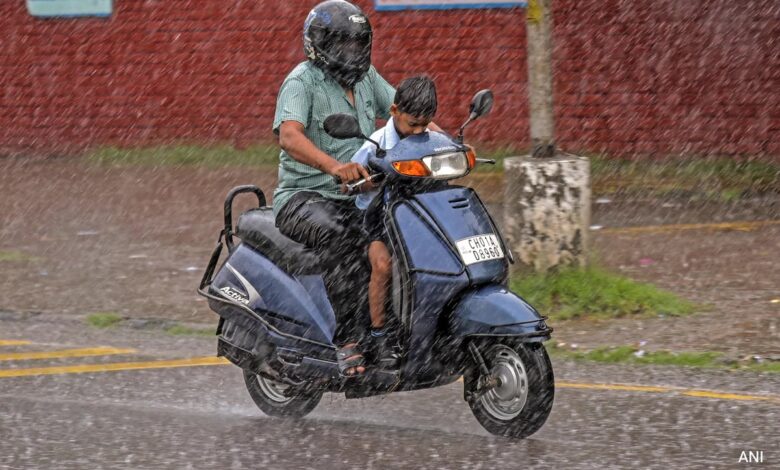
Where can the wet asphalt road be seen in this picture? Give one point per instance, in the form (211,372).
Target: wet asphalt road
(202,417)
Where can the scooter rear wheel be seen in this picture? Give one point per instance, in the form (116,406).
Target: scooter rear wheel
(521,402)
(279,400)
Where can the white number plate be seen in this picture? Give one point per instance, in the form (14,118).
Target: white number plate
(480,248)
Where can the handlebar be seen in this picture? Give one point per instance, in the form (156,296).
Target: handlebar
(353,186)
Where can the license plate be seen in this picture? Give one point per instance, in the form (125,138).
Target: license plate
(480,248)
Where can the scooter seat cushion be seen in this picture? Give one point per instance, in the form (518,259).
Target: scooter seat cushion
(257,228)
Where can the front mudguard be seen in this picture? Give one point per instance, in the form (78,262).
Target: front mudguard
(495,311)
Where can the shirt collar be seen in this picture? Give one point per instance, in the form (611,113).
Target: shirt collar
(391,137)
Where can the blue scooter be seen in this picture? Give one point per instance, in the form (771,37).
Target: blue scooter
(453,312)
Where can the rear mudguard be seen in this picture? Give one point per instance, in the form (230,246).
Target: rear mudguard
(495,311)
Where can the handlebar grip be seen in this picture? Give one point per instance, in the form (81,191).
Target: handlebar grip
(351,187)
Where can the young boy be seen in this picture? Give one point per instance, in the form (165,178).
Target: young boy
(412,110)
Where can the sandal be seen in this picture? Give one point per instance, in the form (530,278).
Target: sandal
(350,360)
(384,352)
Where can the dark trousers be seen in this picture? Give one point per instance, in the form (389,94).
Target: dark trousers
(334,230)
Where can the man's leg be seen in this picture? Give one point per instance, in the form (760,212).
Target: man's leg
(334,230)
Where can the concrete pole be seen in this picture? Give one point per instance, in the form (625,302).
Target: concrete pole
(547,193)
(540,81)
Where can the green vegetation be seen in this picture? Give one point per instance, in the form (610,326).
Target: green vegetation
(498,154)
(181,330)
(187,155)
(726,178)
(16,256)
(109,319)
(594,292)
(633,355)
(103,319)
(713,179)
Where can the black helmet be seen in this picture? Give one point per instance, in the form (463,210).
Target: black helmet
(337,39)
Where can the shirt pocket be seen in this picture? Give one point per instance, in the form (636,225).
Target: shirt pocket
(326,143)
(370,121)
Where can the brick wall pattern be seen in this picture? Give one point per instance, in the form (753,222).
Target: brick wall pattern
(631,77)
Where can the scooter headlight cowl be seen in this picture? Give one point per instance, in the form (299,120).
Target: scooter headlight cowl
(447,165)
(443,166)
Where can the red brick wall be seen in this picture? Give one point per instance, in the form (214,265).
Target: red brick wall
(632,77)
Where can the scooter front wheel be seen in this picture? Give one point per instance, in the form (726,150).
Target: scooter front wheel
(279,400)
(519,397)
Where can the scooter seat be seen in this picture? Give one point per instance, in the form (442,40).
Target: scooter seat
(257,228)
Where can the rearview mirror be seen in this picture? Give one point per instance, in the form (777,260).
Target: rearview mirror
(481,104)
(342,126)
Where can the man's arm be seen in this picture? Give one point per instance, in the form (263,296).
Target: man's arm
(293,140)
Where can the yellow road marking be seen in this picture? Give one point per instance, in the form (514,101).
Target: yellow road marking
(195,361)
(23,356)
(682,391)
(217,361)
(744,226)
(14,342)
(672,390)
(625,388)
(728,396)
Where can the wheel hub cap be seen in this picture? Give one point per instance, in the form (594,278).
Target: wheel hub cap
(507,399)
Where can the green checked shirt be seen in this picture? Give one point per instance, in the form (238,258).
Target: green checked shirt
(308,96)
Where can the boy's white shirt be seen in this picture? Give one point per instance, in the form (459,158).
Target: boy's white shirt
(387,138)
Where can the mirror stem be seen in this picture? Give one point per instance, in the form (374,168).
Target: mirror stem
(472,116)
(380,152)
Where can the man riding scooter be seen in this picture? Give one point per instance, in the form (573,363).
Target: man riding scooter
(308,203)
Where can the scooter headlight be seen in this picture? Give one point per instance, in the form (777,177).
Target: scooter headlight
(447,165)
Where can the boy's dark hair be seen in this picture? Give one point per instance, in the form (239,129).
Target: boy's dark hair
(417,96)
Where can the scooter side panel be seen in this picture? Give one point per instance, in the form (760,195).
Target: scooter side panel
(460,214)
(249,278)
(432,293)
(494,310)
(425,250)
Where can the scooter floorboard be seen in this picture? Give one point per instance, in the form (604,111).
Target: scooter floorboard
(372,382)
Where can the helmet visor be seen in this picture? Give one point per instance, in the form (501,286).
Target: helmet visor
(350,50)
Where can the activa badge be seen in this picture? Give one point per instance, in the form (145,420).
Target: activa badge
(233,294)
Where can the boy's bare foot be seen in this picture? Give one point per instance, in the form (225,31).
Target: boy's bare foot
(351,360)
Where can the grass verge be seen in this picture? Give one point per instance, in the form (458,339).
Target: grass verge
(634,355)
(181,330)
(725,178)
(594,292)
(187,155)
(721,178)
(103,319)
(16,256)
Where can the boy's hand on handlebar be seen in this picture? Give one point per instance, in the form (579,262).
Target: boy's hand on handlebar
(348,172)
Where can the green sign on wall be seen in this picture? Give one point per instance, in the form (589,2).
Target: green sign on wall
(60,8)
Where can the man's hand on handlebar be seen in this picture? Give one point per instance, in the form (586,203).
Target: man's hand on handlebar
(361,186)
(348,172)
